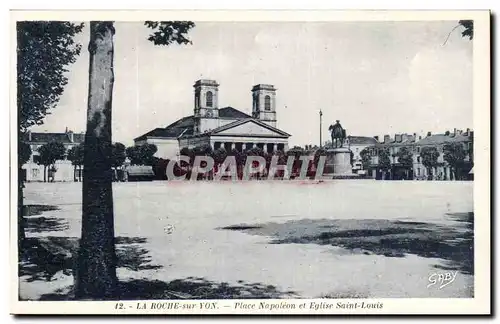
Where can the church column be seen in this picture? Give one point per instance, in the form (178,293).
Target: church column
(233,146)
(265,148)
(275,147)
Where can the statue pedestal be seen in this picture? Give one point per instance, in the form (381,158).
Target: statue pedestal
(338,163)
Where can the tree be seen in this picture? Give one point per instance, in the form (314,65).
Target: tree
(24,154)
(384,162)
(75,155)
(118,155)
(405,158)
(429,155)
(454,154)
(365,158)
(141,154)
(468,28)
(48,155)
(96,277)
(219,155)
(202,150)
(147,152)
(296,152)
(44,50)
(468,31)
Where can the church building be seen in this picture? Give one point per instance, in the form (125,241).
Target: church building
(221,127)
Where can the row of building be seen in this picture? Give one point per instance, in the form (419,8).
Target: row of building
(231,128)
(414,144)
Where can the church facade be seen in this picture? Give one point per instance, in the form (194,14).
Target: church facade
(225,127)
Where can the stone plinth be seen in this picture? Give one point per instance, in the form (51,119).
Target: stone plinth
(338,163)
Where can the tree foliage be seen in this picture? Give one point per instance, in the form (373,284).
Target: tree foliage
(429,155)
(141,154)
(118,154)
(24,153)
(168,32)
(44,50)
(405,157)
(384,162)
(219,155)
(454,154)
(51,152)
(203,150)
(365,158)
(48,155)
(468,28)
(75,155)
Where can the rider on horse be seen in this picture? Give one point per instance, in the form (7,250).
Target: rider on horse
(338,134)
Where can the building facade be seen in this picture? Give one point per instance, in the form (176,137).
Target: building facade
(225,127)
(64,169)
(414,144)
(357,144)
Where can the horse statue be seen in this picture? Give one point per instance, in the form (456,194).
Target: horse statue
(338,135)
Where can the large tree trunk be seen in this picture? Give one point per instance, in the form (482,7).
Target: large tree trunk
(44,173)
(96,277)
(20,217)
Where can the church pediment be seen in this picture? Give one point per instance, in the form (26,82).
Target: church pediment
(249,127)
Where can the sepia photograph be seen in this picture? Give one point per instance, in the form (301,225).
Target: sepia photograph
(251,164)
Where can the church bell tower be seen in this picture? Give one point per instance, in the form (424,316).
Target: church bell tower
(206,105)
(264,103)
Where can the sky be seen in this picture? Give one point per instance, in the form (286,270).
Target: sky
(375,77)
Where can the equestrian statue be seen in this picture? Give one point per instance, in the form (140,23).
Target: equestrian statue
(338,135)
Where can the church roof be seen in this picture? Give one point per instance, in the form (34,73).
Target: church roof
(185,125)
(230,112)
(246,120)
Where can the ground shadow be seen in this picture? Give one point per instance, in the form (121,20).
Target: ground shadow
(453,242)
(188,288)
(43,257)
(37,224)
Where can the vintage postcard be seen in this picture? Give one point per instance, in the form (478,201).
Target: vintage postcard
(250,162)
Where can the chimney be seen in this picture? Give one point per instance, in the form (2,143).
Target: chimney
(376,138)
(71,137)
(419,138)
(387,138)
(468,131)
(454,131)
(397,138)
(404,137)
(429,134)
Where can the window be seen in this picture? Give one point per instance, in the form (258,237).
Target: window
(210,99)
(418,159)
(418,171)
(267,103)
